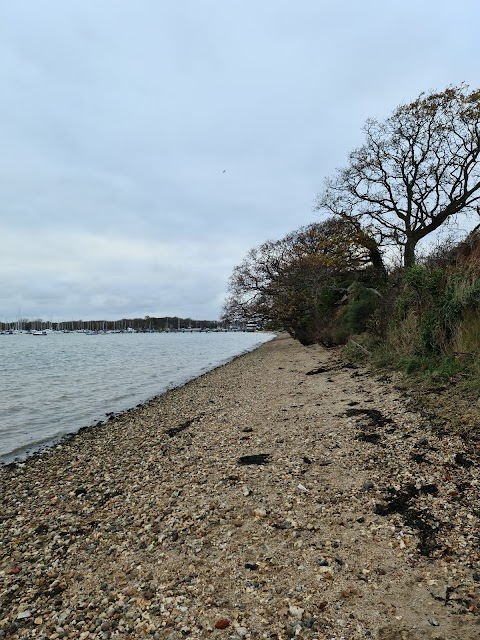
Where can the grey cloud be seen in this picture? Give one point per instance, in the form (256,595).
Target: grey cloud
(117,120)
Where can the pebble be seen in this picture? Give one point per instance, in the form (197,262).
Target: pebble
(223,623)
(295,611)
(23,615)
(242,631)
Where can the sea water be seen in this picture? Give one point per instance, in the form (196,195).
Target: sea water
(52,385)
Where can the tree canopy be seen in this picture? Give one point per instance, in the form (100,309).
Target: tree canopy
(295,282)
(415,172)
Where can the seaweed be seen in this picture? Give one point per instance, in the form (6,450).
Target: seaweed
(375,417)
(181,427)
(314,372)
(258,458)
(426,526)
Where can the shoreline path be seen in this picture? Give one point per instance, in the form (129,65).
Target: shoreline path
(285,494)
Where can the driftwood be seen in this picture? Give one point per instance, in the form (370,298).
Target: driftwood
(361,347)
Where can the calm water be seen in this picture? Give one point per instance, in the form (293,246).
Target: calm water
(53,385)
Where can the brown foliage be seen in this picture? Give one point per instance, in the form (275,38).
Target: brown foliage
(283,281)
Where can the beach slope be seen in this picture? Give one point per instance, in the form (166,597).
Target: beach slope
(285,494)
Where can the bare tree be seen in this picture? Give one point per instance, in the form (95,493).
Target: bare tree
(415,172)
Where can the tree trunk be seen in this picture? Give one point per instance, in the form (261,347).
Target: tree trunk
(409,253)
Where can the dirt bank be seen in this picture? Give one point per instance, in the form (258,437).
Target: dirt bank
(282,495)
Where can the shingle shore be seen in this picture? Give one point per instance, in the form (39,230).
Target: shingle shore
(281,495)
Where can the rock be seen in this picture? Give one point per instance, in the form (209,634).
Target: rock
(223,623)
(259,512)
(296,612)
(241,631)
(23,615)
(322,562)
(14,571)
(367,485)
(295,630)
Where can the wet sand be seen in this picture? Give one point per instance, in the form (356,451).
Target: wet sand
(285,494)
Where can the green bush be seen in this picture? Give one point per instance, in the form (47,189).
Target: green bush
(424,280)
(354,317)
(433,369)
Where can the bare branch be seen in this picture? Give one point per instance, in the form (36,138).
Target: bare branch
(416,170)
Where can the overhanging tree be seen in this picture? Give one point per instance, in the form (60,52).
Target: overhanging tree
(415,172)
(295,282)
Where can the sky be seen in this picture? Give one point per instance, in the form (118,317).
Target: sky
(147,145)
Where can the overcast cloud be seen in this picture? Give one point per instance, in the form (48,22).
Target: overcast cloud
(118,119)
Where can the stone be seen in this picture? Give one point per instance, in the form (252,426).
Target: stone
(14,571)
(296,612)
(223,623)
(242,631)
(23,615)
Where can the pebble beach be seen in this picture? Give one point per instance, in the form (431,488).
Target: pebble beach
(285,494)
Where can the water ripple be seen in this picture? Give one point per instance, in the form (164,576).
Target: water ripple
(56,384)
